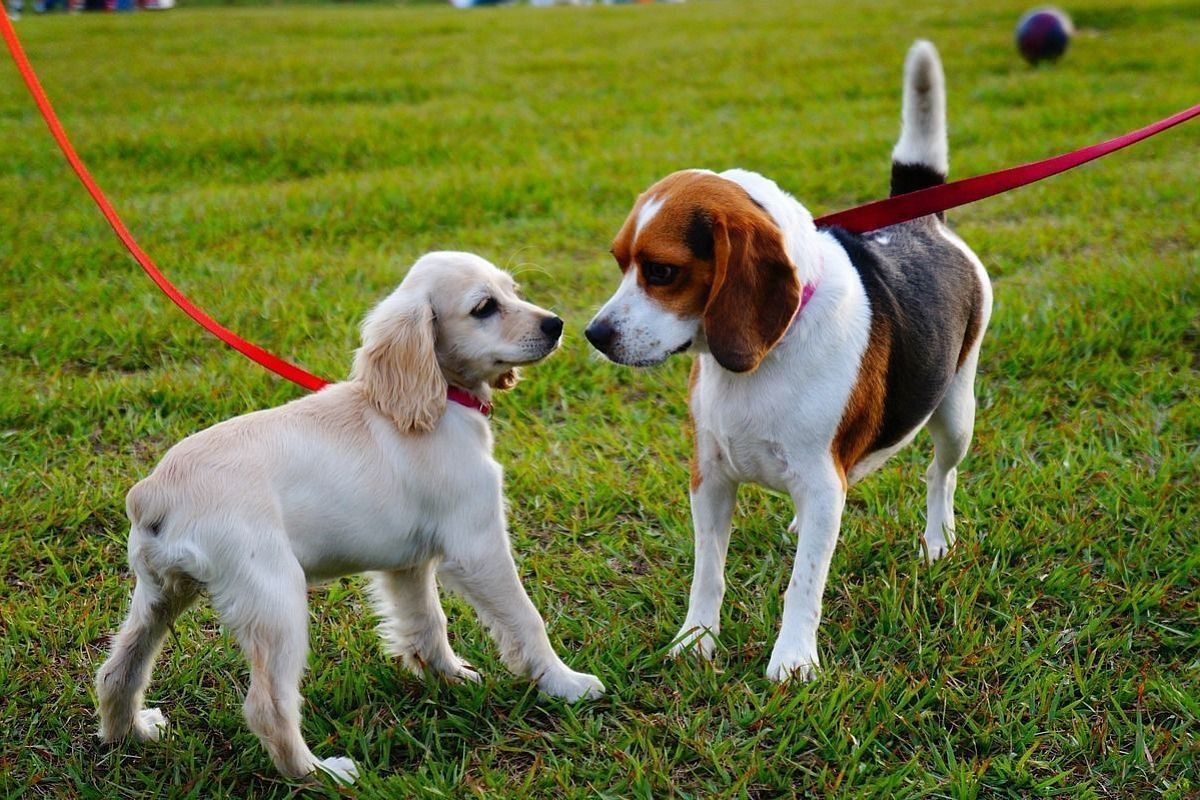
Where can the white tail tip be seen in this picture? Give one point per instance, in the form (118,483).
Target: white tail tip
(923,128)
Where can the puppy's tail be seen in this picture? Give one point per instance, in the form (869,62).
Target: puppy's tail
(921,157)
(146,506)
(162,550)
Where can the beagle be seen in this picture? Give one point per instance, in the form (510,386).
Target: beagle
(819,352)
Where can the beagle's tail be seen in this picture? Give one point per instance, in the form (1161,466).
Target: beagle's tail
(920,159)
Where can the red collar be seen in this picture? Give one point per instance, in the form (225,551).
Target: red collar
(465,398)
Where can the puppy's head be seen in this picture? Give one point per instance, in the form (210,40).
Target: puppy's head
(455,319)
(704,266)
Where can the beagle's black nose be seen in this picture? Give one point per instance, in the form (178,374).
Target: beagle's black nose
(600,334)
(552,327)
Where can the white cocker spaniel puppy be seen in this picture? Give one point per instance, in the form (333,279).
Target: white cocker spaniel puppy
(389,472)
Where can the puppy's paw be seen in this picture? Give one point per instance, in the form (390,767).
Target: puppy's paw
(794,526)
(447,666)
(149,725)
(461,672)
(570,685)
(340,768)
(792,665)
(695,640)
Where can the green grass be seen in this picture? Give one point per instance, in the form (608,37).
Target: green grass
(285,166)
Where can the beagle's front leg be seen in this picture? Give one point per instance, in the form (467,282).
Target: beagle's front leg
(712,510)
(819,503)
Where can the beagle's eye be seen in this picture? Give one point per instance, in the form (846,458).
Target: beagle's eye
(485,309)
(659,274)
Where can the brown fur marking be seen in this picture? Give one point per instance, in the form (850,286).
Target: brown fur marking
(863,417)
(974,321)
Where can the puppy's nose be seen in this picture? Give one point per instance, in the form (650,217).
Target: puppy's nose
(600,334)
(552,327)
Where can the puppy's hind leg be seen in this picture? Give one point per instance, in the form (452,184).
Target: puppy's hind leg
(264,603)
(413,624)
(121,682)
(950,427)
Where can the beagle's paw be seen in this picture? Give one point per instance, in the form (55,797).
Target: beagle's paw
(695,640)
(793,664)
(936,542)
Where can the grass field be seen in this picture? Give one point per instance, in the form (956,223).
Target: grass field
(286,165)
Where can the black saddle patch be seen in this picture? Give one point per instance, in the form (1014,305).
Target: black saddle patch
(926,300)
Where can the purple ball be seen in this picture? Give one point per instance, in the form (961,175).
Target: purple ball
(1043,34)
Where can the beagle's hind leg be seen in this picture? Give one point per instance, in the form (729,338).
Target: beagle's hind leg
(951,427)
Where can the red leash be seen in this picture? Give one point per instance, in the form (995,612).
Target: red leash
(878,214)
(251,351)
(905,207)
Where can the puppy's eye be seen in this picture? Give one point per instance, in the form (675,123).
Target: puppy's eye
(659,274)
(485,309)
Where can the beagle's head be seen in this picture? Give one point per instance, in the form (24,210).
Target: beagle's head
(704,267)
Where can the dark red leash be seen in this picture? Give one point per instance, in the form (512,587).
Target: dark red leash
(905,207)
(878,214)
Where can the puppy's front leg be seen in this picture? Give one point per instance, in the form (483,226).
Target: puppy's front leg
(413,626)
(712,510)
(819,503)
(480,566)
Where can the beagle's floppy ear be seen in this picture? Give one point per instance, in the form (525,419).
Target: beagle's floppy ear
(754,292)
(398,364)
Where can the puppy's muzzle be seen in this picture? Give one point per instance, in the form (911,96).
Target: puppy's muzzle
(552,328)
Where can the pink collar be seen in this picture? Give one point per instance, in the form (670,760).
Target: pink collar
(805,295)
(465,398)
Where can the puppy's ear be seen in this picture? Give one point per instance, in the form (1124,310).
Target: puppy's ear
(754,292)
(506,380)
(398,365)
